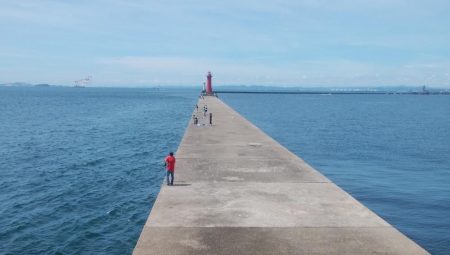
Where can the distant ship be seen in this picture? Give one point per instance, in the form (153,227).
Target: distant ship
(425,91)
(83,82)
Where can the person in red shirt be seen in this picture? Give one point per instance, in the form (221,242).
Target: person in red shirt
(170,166)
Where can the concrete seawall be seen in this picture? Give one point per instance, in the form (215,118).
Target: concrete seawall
(238,191)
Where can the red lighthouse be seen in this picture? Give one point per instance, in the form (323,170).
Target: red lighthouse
(209,91)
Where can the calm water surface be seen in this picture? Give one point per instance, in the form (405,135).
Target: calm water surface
(80,168)
(391,152)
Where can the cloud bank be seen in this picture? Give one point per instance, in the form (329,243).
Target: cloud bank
(283,42)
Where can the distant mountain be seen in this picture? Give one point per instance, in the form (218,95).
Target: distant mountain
(24,84)
(17,84)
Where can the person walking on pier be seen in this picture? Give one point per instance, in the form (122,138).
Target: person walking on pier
(205,110)
(170,167)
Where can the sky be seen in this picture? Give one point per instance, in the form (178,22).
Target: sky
(306,43)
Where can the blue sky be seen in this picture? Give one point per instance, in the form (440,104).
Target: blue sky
(280,42)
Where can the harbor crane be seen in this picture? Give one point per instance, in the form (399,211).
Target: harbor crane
(83,82)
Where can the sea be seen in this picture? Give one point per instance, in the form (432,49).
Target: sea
(80,168)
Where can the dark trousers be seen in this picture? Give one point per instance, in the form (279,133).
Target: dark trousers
(170,173)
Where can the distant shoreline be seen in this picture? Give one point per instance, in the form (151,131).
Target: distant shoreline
(334,92)
(255,89)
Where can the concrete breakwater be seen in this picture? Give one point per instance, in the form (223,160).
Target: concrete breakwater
(238,191)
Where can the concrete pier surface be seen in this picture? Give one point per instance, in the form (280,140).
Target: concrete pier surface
(238,191)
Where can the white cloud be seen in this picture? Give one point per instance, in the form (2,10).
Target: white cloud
(301,42)
(337,72)
(145,63)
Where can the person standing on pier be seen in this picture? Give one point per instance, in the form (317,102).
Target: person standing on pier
(170,167)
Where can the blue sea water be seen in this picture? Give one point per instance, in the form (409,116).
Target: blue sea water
(81,168)
(391,152)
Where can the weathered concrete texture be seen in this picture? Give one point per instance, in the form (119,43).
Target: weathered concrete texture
(261,240)
(238,191)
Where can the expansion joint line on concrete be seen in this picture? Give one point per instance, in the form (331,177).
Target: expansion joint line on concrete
(238,191)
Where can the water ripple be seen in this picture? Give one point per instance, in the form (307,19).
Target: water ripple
(81,168)
(390,152)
